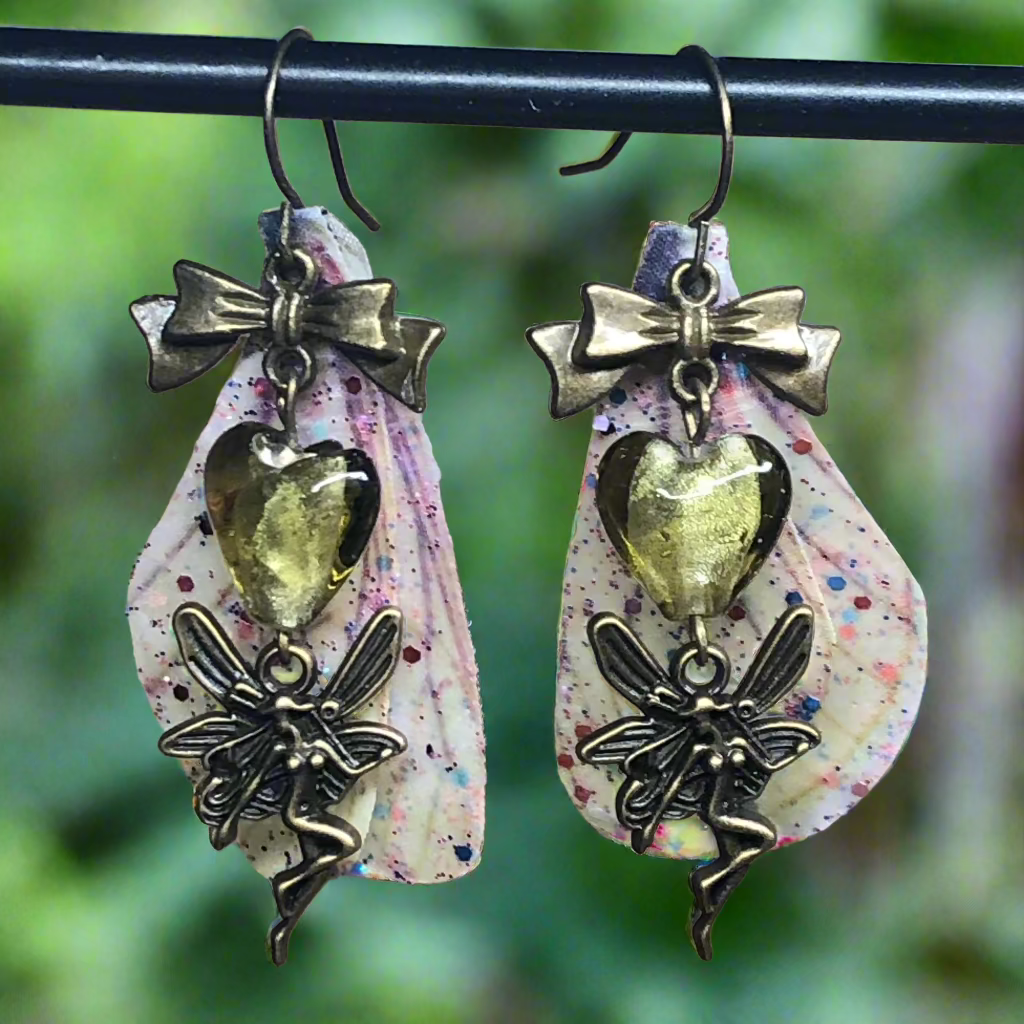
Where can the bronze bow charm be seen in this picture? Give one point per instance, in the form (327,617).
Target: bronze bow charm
(620,328)
(213,313)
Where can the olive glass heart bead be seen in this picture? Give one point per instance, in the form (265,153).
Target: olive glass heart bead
(291,522)
(693,526)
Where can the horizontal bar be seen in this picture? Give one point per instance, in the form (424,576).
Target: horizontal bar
(512,88)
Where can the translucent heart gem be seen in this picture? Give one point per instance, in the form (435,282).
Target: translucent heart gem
(291,522)
(693,527)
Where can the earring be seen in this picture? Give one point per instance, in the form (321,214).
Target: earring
(741,652)
(279,704)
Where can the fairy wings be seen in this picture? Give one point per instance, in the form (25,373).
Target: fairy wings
(243,748)
(673,752)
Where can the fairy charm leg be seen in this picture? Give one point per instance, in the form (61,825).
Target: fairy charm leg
(742,835)
(325,841)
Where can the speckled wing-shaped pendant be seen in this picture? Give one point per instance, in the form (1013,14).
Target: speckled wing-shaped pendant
(296,614)
(741,652)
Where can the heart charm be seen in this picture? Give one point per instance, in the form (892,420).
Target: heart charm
(693,528)
(291,523)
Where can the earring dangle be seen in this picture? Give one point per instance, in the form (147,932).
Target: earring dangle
(742,651)
(324,737)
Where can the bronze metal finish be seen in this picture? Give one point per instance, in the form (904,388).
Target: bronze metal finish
(273,148)
(620,328)
(215,313)
(279,748)
(695,750)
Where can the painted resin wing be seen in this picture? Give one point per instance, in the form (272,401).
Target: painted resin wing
(421,813)
(866,669)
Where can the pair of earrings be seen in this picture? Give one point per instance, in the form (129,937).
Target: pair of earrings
(741,651)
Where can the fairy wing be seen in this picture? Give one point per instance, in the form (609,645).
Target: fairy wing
(780,661)
(212,659)
(354,749)
(368,664)
(203,734)
(784,739)
(246,780)
(614,742)
(623,659)
(641,802)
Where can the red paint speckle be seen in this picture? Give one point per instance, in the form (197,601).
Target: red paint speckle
(785,840)
(565,760)
(583,731)
(862,603)
(582,794)
(737,613)
(801,446)
(411,655)
(263,388)
(353,385)
(185,584)
(860,789)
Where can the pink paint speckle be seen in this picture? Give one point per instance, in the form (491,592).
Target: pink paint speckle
(887,673)
(582,794)
(860,789)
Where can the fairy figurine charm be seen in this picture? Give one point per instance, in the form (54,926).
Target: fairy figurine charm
(322,641)
(741,651)
(697,750)
(277,748)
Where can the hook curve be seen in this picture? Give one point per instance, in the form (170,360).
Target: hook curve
(704,214)
(273,147)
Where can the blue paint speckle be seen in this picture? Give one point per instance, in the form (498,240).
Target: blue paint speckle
(384,563)
(616,396)
(464,853)
(836,583)
(850,615)
(794,597)
(820,511)
(591,480)
(808,707)
(357,869)
(461,777)
(741,370)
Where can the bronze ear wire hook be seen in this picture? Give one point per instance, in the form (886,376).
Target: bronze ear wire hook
(702,217)
(330,131)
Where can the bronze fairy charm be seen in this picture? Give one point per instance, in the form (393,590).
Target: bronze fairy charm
(278,748)
(697,750)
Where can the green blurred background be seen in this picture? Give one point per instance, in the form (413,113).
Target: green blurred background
(113,906)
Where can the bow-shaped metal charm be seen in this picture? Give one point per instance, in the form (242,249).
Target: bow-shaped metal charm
(213,313)
(620,328)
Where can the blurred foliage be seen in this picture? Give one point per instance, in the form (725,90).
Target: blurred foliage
(116,910)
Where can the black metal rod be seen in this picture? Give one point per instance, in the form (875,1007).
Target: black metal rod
(512,88)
